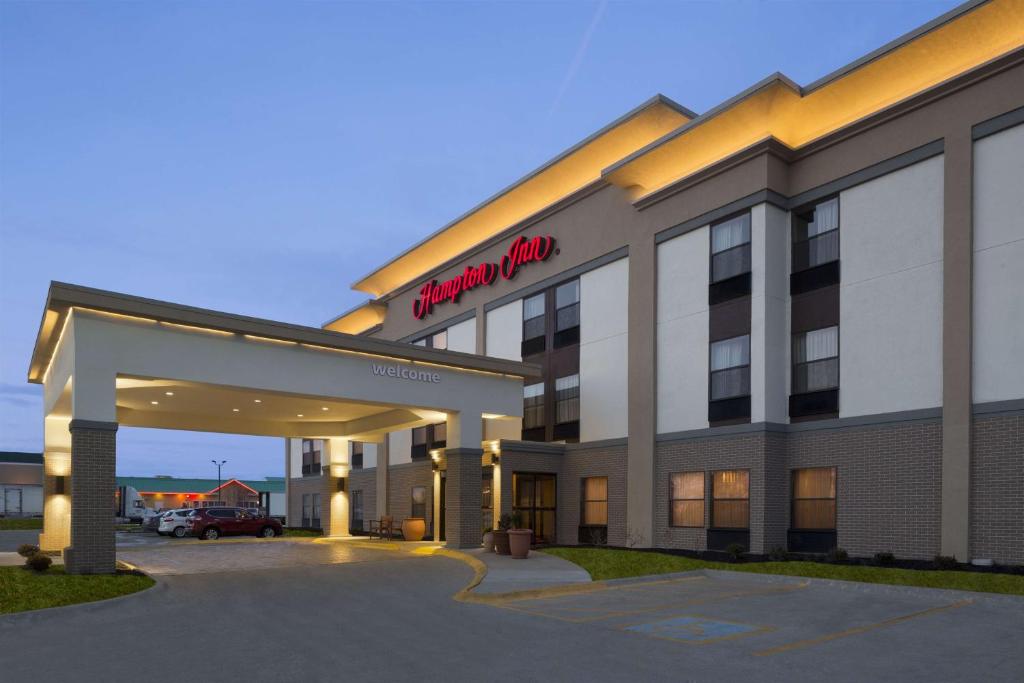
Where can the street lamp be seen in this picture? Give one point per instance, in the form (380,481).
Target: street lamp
(219,465)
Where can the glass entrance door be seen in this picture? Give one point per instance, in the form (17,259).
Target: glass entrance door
(534,498)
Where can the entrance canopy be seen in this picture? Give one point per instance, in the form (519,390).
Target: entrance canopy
(111,357)
(107,359)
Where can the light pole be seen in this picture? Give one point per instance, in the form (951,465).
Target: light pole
(219,465)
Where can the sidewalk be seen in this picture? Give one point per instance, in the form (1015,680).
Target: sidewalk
(505,575)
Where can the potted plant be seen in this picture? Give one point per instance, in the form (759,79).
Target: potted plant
(501,542)
(414,528)
(488,540)
(519,539)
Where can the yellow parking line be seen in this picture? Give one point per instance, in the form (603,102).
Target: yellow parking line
(862,629)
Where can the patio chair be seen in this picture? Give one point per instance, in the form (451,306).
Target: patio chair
(384,525)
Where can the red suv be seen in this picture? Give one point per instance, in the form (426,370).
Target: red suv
(212,523)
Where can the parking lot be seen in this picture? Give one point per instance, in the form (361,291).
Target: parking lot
(289,609)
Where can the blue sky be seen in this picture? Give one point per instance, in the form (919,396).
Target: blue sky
(258,157)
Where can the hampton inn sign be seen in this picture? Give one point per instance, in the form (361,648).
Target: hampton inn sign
(522,251)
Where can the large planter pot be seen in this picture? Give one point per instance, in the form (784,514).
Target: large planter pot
(501,543)
(489,542)
(414,528)
(519,543)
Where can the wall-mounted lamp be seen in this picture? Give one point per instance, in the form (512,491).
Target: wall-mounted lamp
(60,485)
(341,483)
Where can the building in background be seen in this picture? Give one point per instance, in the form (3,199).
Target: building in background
(793,321)
(21,484)
(166,493)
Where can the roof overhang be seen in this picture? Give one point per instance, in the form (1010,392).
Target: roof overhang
(572,170)
(64,298)
(962,39)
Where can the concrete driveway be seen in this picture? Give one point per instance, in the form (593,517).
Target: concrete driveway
(390,616)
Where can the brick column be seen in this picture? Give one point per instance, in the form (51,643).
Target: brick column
(462,497)
(93,451)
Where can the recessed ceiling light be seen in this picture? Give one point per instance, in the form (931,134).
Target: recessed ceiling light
(299,415)
(325,408)
(256,400)
(156,403)
(168,393)
(234,410)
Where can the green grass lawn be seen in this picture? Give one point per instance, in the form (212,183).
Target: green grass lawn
(301,533)
(20,523)
(610,563)
(22,589)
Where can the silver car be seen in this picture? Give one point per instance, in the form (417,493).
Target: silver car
(174,523)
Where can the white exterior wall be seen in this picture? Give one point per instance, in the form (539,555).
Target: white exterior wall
(295,451)
(682,341)
(604,371)
(769,314)
(504,333)
(462,337)
(399,447)
(369,455)
(890,310)
(998,319)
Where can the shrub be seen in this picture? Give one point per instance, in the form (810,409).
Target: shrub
(735,552)
(945,562)
(837,556)
(28,550)
(885,559)
(778,554)
(38,562)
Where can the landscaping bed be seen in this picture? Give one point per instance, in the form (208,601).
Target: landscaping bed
(614,563)
(22,589)
(20,523)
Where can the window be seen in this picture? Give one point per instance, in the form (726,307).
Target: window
(816,360)
(438,340)
(567,399)
(730,368)
(533,324)
(687,499)
(311,450)
(567,314)
(730,248)
(730,499)
(439,435)
(357,455)
(307,509)
(594,504)
(816,236)
(419,443)
(487,499)
(356,514)
(814,499)
(419,502)
(534,497)
(315,520)
(424,439)
(533,405)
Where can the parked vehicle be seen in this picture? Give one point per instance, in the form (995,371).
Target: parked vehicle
(174,523)
(211,523)
(151,521)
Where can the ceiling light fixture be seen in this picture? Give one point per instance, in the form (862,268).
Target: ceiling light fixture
(156,403)
(168,393)
(325,408)
(234,410)
(299,415)
(257,400)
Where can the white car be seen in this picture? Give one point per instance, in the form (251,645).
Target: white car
(173,523)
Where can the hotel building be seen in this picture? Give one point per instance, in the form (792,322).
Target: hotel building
(791,321)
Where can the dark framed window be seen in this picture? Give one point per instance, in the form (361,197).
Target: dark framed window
(730,248)
(687,499)
(437,340)
(814,499)
(816,360)
(533,406)
(356,511)
(487,499)
(567,399)
(311,454)
(816,235)
(418,507)
(428,438)
(533,324)
(311,510)
(357,455)
(730,368)
(534,497)
(594,510)
(730,499)
(567,314)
